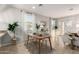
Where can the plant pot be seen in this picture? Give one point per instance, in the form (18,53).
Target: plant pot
(40,34)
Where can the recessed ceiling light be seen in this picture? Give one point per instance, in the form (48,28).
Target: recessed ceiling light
(33,7)
(71,9)
(40,5)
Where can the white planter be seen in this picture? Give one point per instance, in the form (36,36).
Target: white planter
(12,35)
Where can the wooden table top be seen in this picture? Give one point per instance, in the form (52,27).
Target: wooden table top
(40,37)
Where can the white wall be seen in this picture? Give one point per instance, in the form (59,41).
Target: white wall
(8,16)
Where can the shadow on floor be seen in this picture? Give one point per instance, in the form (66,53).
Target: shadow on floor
(33,48)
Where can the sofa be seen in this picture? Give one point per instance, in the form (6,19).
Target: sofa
(5,39)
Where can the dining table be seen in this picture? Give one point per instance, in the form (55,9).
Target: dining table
(40,38)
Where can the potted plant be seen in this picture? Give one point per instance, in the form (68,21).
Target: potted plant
(12,27)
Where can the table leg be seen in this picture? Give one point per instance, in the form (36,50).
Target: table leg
(50,44)
(39,45)
(27,39)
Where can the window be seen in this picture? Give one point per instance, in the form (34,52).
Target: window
(28,22)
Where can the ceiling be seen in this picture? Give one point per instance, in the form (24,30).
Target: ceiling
(51,10)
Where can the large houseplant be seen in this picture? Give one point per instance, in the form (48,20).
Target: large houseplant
(12,27)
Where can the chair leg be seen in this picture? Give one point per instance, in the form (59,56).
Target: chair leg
(39,45)
(50,44)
